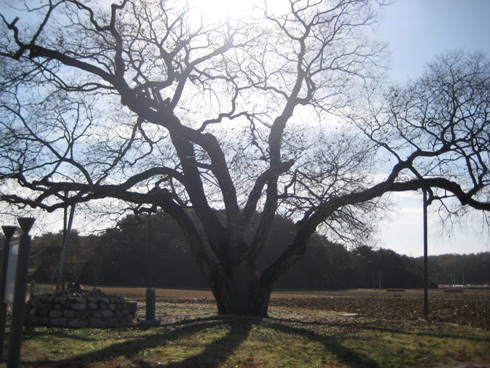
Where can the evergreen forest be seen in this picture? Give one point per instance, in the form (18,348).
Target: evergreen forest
(151,251)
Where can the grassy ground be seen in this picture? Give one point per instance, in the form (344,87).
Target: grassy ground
(192,335)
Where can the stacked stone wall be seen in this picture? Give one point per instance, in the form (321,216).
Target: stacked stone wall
(77,309)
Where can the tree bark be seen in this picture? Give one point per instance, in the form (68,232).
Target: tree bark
(240,293)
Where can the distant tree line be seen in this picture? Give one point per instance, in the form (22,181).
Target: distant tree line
(456,269)
(151,251)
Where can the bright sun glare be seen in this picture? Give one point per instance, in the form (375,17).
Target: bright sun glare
(219,10)
(215,10)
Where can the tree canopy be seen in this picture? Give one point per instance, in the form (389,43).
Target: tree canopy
(146,103)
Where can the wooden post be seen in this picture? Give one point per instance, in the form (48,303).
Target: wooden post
(18,308)
(9,232)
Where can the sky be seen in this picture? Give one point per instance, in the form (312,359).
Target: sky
(417,31)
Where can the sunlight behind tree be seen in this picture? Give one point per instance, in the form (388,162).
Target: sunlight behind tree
(141,104)
(213,11)
(220,10)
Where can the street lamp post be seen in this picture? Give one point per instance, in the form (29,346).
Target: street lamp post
(426,262)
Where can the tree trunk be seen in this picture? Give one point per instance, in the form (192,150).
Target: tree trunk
(242,293)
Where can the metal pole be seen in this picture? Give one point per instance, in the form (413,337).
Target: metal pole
(149,264)
(9,232)
(67,224)
(18,308)
(426,262)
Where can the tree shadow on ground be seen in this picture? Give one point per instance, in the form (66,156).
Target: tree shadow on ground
(436,330)
(214,353)
(331,343)
(32,333)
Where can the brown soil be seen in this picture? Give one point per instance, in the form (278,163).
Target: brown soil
(471,307)
(472,312)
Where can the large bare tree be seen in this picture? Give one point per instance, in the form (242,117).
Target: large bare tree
(146,103)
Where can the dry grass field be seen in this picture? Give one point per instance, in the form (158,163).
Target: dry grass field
(354,329)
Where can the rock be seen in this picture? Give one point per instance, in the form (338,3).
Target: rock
(79,306)
(58,322)
(97,323)
(107,314)
(132,307)
(97,314)
(69,314)
(55,313)
(118,314)
(78,309)
(76,323)
(83,315)
(33,312)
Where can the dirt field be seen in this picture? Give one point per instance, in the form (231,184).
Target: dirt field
(466,307)
(353,328)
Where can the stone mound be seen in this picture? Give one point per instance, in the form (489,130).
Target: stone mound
(77,309)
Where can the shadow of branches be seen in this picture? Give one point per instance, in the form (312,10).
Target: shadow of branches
(217,352)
